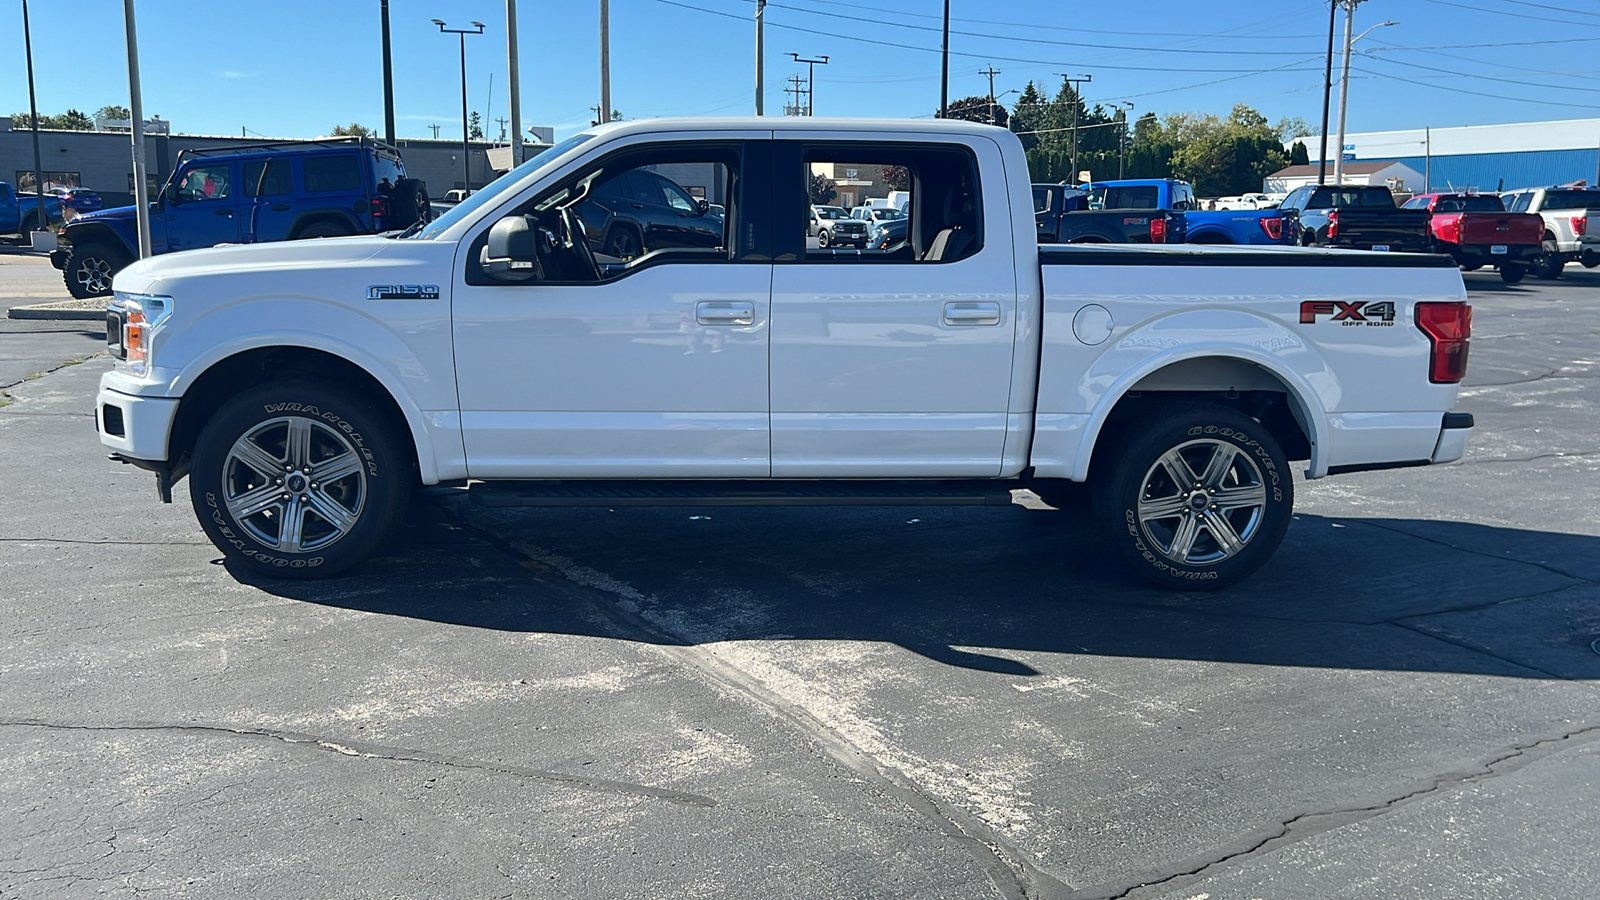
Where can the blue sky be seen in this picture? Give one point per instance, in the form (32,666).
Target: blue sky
(295,68)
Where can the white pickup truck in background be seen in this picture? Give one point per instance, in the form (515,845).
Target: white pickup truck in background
(305,388)
(1568,235)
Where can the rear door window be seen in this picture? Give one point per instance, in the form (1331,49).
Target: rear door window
(332,174)
(267,178)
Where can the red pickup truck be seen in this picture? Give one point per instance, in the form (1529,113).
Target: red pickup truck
(1476,231)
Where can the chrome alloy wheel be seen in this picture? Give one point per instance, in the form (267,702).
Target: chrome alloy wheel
(94,274)
(294,484)
(1201,502)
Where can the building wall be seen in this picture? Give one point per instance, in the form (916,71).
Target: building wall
(104,160)
(1496,171)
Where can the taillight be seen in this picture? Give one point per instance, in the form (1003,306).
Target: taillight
(1333,224)
(1273,227)
(1448,327)
(1158,230)
(1580,224)
(380,207)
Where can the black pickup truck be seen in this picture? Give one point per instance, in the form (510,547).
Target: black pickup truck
(1061,215)
(1357,217)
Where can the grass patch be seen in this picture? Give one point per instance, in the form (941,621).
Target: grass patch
(72,362)
(6,399)
(34,377)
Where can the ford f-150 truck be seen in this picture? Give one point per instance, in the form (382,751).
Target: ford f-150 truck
(1567,212)
(304,388)
(1239,226)
(1476,231)
(19,213)
(1061,215)
(1356,216)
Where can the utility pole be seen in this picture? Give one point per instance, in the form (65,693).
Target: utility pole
(388,76)
(761,88)
(1344,87)
(944,66)
(435,131)
(811,79)
(1124,136)
(605,61)
(991,72)
(1327,89)
(1077,101)
(794,108)
(516,83)
(502,120)
(141,190)
(33,114)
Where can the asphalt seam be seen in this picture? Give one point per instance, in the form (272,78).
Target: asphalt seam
(1527,562)
(35,376)
(1009,870)
(363,750)
(1310,824)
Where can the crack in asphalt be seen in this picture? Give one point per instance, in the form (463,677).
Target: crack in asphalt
(363,750)
(35,376)
(1310,824)
(1443,543)
(1012,873)
(1515,459)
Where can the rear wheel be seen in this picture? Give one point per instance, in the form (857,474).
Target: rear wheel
(1548,263)
(1511,273)
(1589,259)
(90,268)
(323,230)
(622,243)
(1198,498)
(294,480)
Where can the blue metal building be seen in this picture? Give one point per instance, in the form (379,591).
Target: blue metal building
(1487,157)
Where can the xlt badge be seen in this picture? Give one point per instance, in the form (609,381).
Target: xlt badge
(402,292)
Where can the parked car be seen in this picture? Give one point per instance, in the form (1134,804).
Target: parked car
(1200,226)
(1567,212)
(876,215)
(1356,216)
(19,213)
(1248,201)
(1062,215)
(77,201)
(1179,382)
(833,227)
(249,195)
(1476,231)
(456,195)
(890,235)
(638,211)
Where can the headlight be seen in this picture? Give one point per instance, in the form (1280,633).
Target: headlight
(140,315)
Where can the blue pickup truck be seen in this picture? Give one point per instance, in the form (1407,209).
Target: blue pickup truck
(19,213)
(1242,226)
(245,195)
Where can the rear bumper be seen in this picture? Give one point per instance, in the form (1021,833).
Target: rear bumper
(1454,432)
(1400,437)
(1484,255)
(1406,245)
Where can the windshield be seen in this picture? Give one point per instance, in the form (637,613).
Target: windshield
(491,193)
(829,212)
(1474,203)
(887,214)
(1128,196)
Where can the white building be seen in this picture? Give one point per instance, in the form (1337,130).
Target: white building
(1398,177)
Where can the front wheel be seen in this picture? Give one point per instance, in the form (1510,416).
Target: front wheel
(1198,498)
(823,238)
(90,268)
(294,480)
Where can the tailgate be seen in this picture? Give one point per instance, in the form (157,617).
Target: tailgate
(1400,229)
(1501,228)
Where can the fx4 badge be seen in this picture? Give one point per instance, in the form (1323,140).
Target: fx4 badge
(1376,313)
(402,292)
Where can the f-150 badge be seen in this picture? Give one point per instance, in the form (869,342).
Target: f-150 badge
(402,292)
(1375,313)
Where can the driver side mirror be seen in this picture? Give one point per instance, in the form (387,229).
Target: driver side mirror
(703,205)
(171,195)
(510,255)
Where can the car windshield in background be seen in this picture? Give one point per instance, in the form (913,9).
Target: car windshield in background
(491,192)
(830,212)
(1480,203)
(1143,196)
(1571,199)
(1345,198)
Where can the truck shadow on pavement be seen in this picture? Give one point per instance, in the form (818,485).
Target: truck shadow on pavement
(975,588)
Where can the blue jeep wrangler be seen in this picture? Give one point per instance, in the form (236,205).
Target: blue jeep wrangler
(243,195)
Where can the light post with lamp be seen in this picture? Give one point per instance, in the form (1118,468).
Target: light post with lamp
(466,151)
(1344,81)
(811,80)
(1124,136)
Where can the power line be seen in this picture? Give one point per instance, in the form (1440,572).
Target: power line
(1070,28)
(1537,84)
(1456,90)
(1514,15)
(1576,12)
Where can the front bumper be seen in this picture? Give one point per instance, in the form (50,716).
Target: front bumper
(135,428)
(58,256)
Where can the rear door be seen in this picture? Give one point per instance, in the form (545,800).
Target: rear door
(894,363)
(270,202)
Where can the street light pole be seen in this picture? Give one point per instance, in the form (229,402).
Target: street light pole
(811,80)
(605,61)
(1122,139)
(516,83)
(1077,101)
(388,76)
(1327,89)
(944,65)
(33,113)
(466,150)
(141,191)
(1344,81)
(761,89)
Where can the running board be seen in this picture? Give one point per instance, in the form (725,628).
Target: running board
(742,493)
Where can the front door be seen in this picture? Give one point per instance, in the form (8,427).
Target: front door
(650,366)
(895,362)
(203,209)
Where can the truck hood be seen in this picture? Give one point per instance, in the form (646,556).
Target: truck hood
(234,264)
(118,213)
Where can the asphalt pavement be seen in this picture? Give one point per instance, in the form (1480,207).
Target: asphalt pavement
(920,703)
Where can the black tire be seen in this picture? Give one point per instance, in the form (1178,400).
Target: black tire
(1589,259)
(30,223)
(1549,263)
(323,230)
(824,239)
(1511,273)
(1240,465)
(345,430)
(408,202)
(90,268)
(623,242)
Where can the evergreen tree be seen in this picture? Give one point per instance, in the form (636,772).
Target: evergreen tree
(1298,155)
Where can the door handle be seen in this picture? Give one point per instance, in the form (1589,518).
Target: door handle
(280,207)
(224,212)
(725,312)
(637,205)
(972,312)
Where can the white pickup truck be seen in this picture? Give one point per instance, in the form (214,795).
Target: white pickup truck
(305,388)
(1568,236)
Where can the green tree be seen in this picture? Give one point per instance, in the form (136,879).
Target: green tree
(1299,155)
(475,127)
(897,178)
(1225,156)
(1028,116)
(113,112)
(354,129)
(979,109)
(73,120)
(822,190)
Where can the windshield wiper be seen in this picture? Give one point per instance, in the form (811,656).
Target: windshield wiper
(411,229)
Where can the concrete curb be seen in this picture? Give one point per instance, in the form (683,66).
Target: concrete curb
(51,311)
